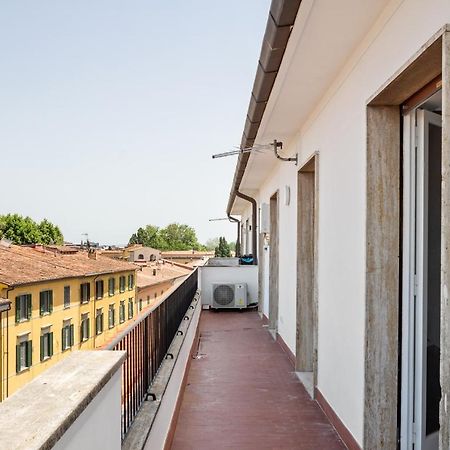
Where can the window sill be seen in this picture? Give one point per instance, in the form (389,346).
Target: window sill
(23,320)
(45,314)
(85,302)
(25,369)
(46,358)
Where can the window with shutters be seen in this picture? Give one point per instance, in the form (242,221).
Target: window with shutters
(67,335)
(99,321)
(23,307)
(111,317)
(111,286)
(122,311)
(99,289)
(85,292)
(130,308)
(46,345)
(130,282)
(84,328)
(122,283)
(66,296)
(45,302)
(23,355)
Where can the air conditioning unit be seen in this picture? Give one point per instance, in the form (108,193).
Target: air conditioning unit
(229,295)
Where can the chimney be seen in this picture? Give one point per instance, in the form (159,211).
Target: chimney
(92,254)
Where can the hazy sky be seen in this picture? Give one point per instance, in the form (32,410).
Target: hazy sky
(110,110)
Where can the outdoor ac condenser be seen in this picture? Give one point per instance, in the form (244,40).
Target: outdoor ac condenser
(229,295)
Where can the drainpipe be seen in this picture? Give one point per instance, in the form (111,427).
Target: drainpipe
(238,240)
(254,214)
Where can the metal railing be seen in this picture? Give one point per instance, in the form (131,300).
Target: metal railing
(146,342)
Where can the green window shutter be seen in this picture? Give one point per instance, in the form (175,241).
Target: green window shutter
(29,350)
(42,347)
(88,328)
(17,309)
(50,344)
(29,306)
(50,301)
(81,332)
(41,304)
(63,339)
(18,358)
(72,340)
(81,293)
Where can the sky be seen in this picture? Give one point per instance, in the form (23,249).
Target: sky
(110,111)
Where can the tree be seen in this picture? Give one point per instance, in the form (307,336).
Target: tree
(149,236)
(212,243)
(24,230)
(173,237)
(223,249)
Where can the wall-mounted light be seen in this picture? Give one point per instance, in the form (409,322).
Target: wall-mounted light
(287,195)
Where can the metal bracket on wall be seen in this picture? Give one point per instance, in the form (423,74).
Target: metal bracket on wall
(279,145)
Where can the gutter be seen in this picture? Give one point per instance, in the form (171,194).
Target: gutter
(254,215)
(281,19)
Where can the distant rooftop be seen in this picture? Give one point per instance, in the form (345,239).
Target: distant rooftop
(22,265)
(164,272)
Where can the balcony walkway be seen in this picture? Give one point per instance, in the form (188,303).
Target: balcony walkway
(242,393)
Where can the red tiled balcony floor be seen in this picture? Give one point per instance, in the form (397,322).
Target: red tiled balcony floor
(242,393)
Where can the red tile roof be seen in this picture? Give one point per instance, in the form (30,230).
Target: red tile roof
(22,265)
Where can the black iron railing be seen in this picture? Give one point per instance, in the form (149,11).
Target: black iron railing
(146,342)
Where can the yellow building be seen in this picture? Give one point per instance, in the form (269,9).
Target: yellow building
(60,302)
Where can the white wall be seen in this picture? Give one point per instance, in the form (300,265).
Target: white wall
(240,274)
(99,425)
(337,130)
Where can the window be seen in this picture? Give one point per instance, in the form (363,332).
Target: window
(67,335)
(66,296)
(23,355)
(141,256)
(23,307)
(45,302)
(156,295)
(130,282)
(85,292)
(46,344)
(84,328)
(148,299)
(130,308)
(111,286)
(99,289)
(111,317)
(140,304)
(162,292)
(122,283)
(122,311)
(99,321)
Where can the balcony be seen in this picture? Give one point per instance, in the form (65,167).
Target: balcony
(179,377)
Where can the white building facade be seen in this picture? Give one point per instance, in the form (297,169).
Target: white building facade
(352,240)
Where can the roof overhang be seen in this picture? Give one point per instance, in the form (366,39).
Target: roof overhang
(321,42)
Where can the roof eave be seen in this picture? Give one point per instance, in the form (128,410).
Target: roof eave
(281,19)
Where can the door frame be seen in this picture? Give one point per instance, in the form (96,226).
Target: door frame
(274,262)
(307,270)
(414,316)
(383,242)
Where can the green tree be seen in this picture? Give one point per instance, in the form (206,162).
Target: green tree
(50,234)
(223,249)
(24,230)
(150,236)
(173,237)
